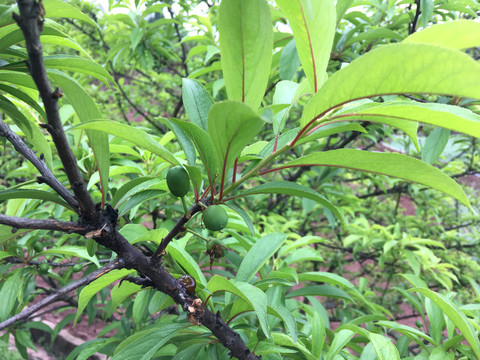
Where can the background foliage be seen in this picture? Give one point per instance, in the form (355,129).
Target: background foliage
(336,238)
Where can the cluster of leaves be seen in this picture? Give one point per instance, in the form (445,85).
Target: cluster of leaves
(271,126)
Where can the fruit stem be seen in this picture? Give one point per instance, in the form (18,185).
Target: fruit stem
(197,235)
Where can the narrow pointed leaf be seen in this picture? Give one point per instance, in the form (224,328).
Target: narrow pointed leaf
(294,189)
(32,194)
(197,102)
(458,34)
(252,295)
(29,128)
(144,344)
(403,68)
(61,9)
(384,347)
(341,339)
(320,290)
(203,144)
(396,165)
(94,287)
(287,318)
(435,144)
(132,134)
(258,255)
(246,41)
(447,116)
(456,315)
(313,24)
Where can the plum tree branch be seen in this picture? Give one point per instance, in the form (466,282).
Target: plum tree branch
(44,224)
(102,224)
(30,22)
(26,313)
(47,176)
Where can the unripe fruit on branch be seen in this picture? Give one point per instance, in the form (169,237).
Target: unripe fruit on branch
(178,181)
(215,218)
(43,268)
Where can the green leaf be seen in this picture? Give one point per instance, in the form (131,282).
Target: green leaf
(373,34)
(320,290)
(458,34)
(61,9)
(434,145)
(447,116)
(94,287)
(246,41)
(294,189)
(396,165)
(32,194)
(287,341)
(318,335)
(78,64)
(72,250)
(258,255)
(384,347)
(25,98)
(197,102)
(138,199)
(287,318)
(244,215)
(29,128)
(454,314)
(203,144)
(426,11)
(134,135)
(341,339)
(132,187)
(331,129)
(289,61)
(140,306)
(436,319)
(9,292)
(321,276)
(313,24)
(144,344)
(252,295)
(185,142)
(87,111)
(231,126)
(414,334)
(185,260)
(284,94)
(403,68)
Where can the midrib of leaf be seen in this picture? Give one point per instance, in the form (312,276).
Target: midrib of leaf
(243,56)
(225,161)
(311,47)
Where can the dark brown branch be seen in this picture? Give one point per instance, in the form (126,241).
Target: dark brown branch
(30,22)
(412,27)
(47,176)
(116,264)
(44,224)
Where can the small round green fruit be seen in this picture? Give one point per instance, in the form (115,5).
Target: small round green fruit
(215,218)
(43,268)
(77,268)
(178,181)
(38,247)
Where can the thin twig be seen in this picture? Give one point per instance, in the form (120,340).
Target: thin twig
(47,176)
(44,224)
(116,264)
